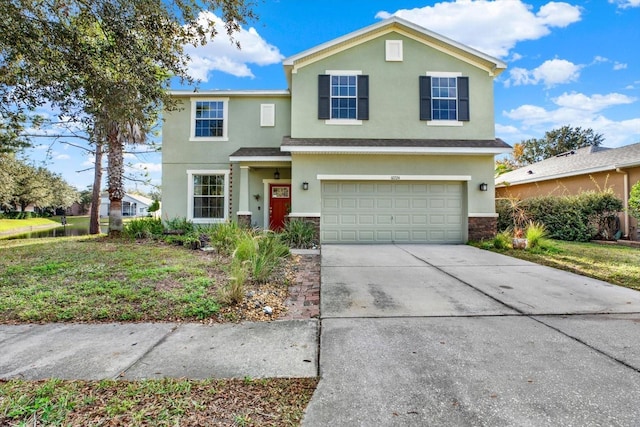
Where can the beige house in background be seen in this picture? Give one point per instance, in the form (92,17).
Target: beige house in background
(586,169)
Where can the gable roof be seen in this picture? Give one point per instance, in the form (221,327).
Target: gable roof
(578,162)
(437,41)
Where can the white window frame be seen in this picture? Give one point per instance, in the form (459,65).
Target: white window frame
(190,195)
(225,120)
(444,122)
(336,73)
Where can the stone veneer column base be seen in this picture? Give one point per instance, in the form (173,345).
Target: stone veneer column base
(244,220)
(482,228)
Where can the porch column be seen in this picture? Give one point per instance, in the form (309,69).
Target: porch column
(244,214)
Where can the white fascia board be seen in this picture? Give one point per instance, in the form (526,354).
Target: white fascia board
(343,177)
(191,93)
(259,159)
(395,150)
(501,183)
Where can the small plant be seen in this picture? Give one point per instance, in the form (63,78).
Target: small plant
(179,225)
(144,228)
(233,291)
(224,237)
(502,240)
(268,257)
(299,234)
(535,233)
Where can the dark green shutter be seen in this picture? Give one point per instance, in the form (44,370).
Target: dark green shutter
(324,96)
(463,99)
(363,98)
(425,98)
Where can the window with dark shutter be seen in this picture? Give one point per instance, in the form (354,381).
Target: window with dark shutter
(363,98)
(324,96)
(463,99)
(425,98)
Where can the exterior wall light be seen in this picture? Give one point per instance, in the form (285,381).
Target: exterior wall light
(305,186)
(484,186)
(276,174)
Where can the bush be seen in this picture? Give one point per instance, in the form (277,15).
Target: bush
(535,233)
(634,201)
(144,228)
(233,291)
(299,234)
(572,218)
(179,225)
(268,257)
(224,236)
(502,240)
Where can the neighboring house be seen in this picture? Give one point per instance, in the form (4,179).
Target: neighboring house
(586,169)
(384,135)
(132,205)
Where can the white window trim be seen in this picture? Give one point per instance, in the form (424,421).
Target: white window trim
(453,123)
(345,122)
(225,121)
(190,174)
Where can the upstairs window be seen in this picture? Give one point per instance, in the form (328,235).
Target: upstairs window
(343,97)
(209,120)
(444,98)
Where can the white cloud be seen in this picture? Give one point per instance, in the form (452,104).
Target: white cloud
(220,54)
(619,66)
(149,167)
(577,109)
(551,73)
(502,23)
(623,4)
(62,157)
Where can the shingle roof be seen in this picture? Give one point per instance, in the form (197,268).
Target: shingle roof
(336,142)
(260,152)
(577,162)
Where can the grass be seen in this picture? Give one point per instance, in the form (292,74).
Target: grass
(98,279)
(619,265)
(165,402)
(7,225)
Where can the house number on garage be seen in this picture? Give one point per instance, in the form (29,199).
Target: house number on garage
(395,177)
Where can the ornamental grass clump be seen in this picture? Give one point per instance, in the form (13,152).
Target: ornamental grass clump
(535,233)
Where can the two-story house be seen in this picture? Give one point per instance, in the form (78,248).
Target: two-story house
(384,135)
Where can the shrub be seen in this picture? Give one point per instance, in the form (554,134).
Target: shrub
(535,233)
(179,224)
(573,218)
(233,291)
(634,201)
(224,236)
(268,257)
(144,228)
(502,240)
(299,234)
(246,247)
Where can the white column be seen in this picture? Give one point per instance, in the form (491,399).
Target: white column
(243,199)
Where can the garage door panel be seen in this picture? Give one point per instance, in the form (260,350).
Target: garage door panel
(392,212)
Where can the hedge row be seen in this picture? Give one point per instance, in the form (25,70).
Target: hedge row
(582,217)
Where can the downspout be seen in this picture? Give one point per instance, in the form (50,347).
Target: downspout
(626,201)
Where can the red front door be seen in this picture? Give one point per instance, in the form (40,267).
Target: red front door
(279,205)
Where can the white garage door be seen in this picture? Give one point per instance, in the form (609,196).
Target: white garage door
(384,212)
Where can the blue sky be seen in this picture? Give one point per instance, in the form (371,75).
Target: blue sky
(569,63)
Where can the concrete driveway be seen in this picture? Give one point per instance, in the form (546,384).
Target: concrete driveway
(417,335)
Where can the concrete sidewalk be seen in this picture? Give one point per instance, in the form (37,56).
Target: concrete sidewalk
(153,350)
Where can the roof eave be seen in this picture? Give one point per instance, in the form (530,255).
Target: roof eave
(304,149)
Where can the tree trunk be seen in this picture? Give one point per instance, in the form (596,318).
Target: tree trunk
(115,176)
(94,218)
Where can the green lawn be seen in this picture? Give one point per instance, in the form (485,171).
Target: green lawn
(99,279)
(13,224)
(615,264)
